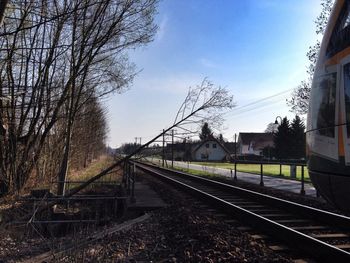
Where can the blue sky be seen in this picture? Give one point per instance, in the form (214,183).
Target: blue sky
(254,48)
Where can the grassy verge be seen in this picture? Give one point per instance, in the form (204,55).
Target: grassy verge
(205,174)
(268,169)
(93,169)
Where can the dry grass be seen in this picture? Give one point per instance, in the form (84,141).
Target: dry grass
(93,169)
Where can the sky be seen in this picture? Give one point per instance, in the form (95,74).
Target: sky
(254,48)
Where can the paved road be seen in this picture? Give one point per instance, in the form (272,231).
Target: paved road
(269,181)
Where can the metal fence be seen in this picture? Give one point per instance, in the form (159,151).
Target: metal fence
(293,168)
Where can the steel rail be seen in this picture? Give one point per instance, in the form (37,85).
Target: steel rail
(309,245)
(314,213)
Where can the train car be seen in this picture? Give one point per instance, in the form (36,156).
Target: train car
(328,123)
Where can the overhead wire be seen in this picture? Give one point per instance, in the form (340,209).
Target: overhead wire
(257,104)
(254,105)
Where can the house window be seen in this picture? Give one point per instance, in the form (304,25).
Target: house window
(204,156)
(207,145)
(214,145)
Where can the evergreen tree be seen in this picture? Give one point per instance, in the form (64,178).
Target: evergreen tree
(271,128)
(221,138)
(282,140)
(205,132)
(298,138)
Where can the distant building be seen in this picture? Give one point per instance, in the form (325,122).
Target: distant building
(210,150)
(231,147)
(178,150)
(250,143)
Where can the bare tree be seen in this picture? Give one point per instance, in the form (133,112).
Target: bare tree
(89,134)
(3,5)
(55,55)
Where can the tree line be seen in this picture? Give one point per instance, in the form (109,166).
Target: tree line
(58,58)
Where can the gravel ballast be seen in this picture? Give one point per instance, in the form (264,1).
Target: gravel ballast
(181,232)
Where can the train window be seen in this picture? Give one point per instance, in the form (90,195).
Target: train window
(347,96)
(340,38)
(323,103)
(346,21)
(344,18)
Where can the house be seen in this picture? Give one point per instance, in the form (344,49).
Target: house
(250,143)
(210,150)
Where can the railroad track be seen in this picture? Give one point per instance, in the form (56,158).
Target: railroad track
(319,234)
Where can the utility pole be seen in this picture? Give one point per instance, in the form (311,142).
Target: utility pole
(163,147)
(172,148)
(136,139)
(235,146)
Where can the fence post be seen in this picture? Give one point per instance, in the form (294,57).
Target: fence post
(317,193)
(231,173)
(302,191)
(124,176)
(261,175)
(280,168)
(67,187)
(129,179)
(235,177)
(34,211)
(133,199)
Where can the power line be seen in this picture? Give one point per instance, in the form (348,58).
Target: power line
(263,99)
(260,103)
(263,102)
(259,107)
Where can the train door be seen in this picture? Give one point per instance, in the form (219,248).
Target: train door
(345,107)
(323,135)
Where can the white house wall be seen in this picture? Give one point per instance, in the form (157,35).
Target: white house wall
(246,149)
(214,154)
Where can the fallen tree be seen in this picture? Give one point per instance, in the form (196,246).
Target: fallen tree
(206,102)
